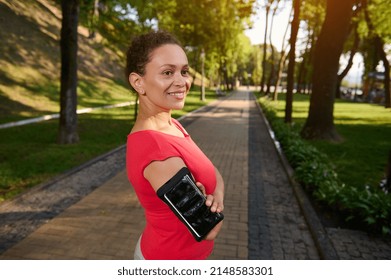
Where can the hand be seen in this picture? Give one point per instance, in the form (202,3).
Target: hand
(216,204)
(214,201)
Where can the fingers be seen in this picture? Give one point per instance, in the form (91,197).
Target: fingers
(212,201)
(214,204)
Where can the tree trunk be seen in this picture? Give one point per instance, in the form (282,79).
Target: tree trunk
(68,94)
(349,64)
(94,18)
(291,64)
(352,28)
(281,62)
(379,50)
(301,77)
(265,50)
(202,97)
(388,173)
(386,64)
(272,59)
(320,121)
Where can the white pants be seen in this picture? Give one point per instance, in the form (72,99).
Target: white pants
(138,255)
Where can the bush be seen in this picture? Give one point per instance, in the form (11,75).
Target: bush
(368,207)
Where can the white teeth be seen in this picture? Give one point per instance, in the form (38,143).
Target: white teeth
(176,93)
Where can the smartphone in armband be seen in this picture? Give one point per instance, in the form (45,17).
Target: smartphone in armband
(186,200)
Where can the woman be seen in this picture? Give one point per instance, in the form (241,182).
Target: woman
(158,147)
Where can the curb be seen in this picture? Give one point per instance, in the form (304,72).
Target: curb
(323,243)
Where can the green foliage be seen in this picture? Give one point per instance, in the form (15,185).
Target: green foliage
(215,26)
(369,207)
(380,13)
(363,126)
(313,13)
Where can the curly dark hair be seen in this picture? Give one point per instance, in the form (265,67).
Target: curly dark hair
(138,53)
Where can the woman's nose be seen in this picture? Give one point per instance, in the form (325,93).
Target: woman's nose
(180,80)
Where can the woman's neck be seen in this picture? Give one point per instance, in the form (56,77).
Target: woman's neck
(148,119)
(159,122)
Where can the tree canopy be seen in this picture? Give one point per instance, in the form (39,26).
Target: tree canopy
(215,26)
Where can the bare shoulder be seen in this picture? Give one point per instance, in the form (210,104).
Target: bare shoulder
(138,127)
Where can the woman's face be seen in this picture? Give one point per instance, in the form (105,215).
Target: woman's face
(166,81)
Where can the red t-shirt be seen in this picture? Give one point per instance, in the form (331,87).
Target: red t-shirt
(165,237)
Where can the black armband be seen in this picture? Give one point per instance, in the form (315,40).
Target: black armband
(185,199)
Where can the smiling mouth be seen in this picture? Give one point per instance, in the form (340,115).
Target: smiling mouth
(177,94)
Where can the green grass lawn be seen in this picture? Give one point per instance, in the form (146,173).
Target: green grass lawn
(366,128)
(38,99)
(29,154)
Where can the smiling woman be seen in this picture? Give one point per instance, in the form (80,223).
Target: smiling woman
(158,147)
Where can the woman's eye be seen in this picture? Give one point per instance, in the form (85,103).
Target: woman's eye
(185,72)
(167,73)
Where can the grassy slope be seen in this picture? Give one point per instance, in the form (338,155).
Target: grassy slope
(30,63)
(29,87)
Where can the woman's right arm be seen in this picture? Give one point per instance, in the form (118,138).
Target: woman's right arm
(159,172)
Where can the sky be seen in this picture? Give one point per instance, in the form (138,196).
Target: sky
(256,35)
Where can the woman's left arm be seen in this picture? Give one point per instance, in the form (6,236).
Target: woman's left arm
(216,200)
(216,203)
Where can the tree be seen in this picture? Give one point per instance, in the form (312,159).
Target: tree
(301,83)
(268,5)
(281,61)
(214,26)
(329,46)
(273,61)
(312,15)
(89,14)
(378,31)
(68,93)
(291,64)
(255,65)
(349,65)
(379,43)
(351,46)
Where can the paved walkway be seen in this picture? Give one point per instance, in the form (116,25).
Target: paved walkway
(263,216)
